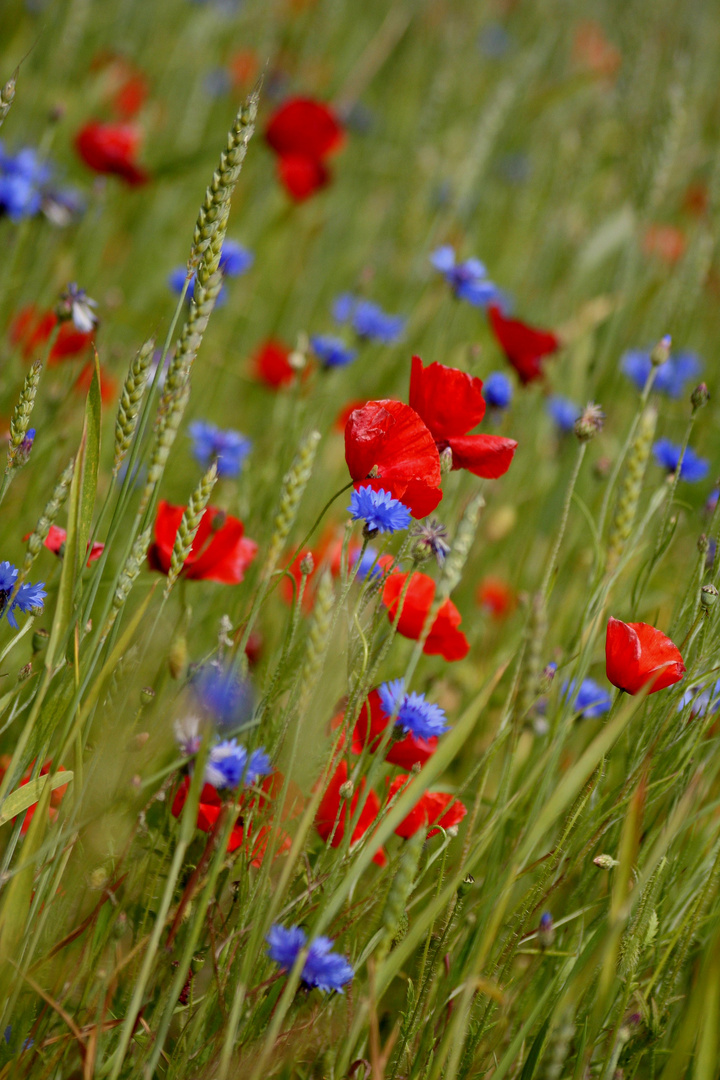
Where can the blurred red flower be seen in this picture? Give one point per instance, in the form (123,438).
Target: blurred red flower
(220,551)
(593,51)
(523,345)
(56,796)
(332,812)
(664,241)
(433,808)
(450,402)
(56,537)
(444,639)
(496,596)
(389,440)
(108,383)
(370,728)
(211,804)
(112,148)
(271,364)
(303,132)
(637,654)
(31,329)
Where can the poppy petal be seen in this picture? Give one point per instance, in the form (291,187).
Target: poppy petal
(488,456)
(448,400)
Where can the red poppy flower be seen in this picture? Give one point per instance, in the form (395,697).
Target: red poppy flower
(390,440)
(56,796)
(131,95)
(592,50)
(219,552)
(112,148)
(433,808)
(271,364)
(343,416)
(496,596)
(332,813)
(211,804)
(666,242)
(56,537)
(523,345)
(244,67)
(31,329)
(108,383)
(303,132)
(451,403)
(444,639)
(637,654)
(370,728)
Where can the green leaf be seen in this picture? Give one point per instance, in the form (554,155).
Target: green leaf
(29,794)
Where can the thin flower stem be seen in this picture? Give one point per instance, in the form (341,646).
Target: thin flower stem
(545,587)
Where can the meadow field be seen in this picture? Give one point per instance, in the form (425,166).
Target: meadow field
(359,664)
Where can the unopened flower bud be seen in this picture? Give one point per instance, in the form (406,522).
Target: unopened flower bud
(605,862)
(446,458)
(346,790)
(661,352)
(25,672)
(147,694)
(39,640)
(307,564)
(465,886)
(703,544)
(178,656)
(602,467)
(700,396)
(589,423)
(708,596)
(546,930)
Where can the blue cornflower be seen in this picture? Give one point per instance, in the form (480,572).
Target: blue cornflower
(228,765)
(224,694)
(494,40)
(75,304)
(368,320)
(468,280)
(497,390)
(29,598)
(671,376)
(234,261)
(228,448)
(378,509)
(703,699)
(331,351)
(563,412)
(667,455)
(592,700)
(415,715)
(322,968)
(19,198)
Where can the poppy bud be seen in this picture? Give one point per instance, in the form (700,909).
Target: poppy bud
(708,596)
(605,862)
(700,396)
(661,352)
(465,886)
(346,790)
(307,564)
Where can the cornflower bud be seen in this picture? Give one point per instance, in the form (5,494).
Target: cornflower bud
(589,423)
(347,790)
(307,564)
(700,396)
(661,353)
(446,461)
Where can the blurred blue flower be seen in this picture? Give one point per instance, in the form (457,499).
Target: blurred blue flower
(515,168)
(564,412)
(235,260)
(430,538)
(494,40)
(380,512)
(23,179)
(415,715)
(217,82)
(671,376)
(29,598)
(592,700)
(468,280)
(497,390)
(703,699)
(324,969)
(667,455)
(368,320)
(228,765)
(228,448)
(367,563)
(331,351)
(225,694)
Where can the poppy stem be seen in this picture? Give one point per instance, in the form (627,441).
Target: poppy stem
(317,521)
(547,580)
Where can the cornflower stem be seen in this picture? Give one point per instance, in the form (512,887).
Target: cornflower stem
(673,487)
(545,587)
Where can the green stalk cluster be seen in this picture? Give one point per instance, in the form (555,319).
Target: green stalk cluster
(629,497)
(53,507)
(130,571)
(20,419)
(294,483)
